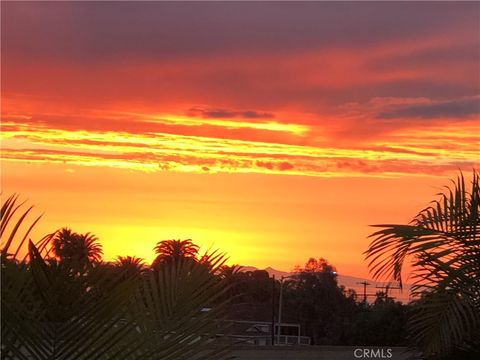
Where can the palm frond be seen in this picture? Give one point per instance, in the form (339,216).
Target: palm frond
(7,215)
(443,242)
(50,312)
(181,302)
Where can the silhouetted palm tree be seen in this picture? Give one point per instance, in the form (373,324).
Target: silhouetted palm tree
(130,261)
(165,318)
(77,250)
(444,242)
(234,278)
(130,266)
(168,251)
(229,273)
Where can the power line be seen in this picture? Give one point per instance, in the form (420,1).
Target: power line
(387,288)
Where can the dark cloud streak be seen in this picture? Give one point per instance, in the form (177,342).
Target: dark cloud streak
(452,109)
(218,113)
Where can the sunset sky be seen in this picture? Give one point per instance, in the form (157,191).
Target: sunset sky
(272,131)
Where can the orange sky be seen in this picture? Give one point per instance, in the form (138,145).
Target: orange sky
(272,131)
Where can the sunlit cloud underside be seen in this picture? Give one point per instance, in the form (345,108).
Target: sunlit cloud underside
(434,150)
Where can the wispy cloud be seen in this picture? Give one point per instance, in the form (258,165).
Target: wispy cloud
(157,151)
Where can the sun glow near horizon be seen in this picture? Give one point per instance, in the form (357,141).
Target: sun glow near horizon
(249,217)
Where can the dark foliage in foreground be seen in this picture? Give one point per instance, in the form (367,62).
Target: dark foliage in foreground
(62,302)
(443,242)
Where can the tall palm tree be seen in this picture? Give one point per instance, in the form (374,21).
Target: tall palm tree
(79,250)
(169,251)
(130,266)
(443,242)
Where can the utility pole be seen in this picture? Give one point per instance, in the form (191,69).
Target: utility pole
(365,284)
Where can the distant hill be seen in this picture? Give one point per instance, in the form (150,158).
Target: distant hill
(350,282)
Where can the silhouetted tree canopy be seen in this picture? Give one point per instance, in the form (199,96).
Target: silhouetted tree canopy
(168,251)
(78,251)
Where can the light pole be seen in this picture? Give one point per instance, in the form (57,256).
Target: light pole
(273,310)
(280,300)
(280,304)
